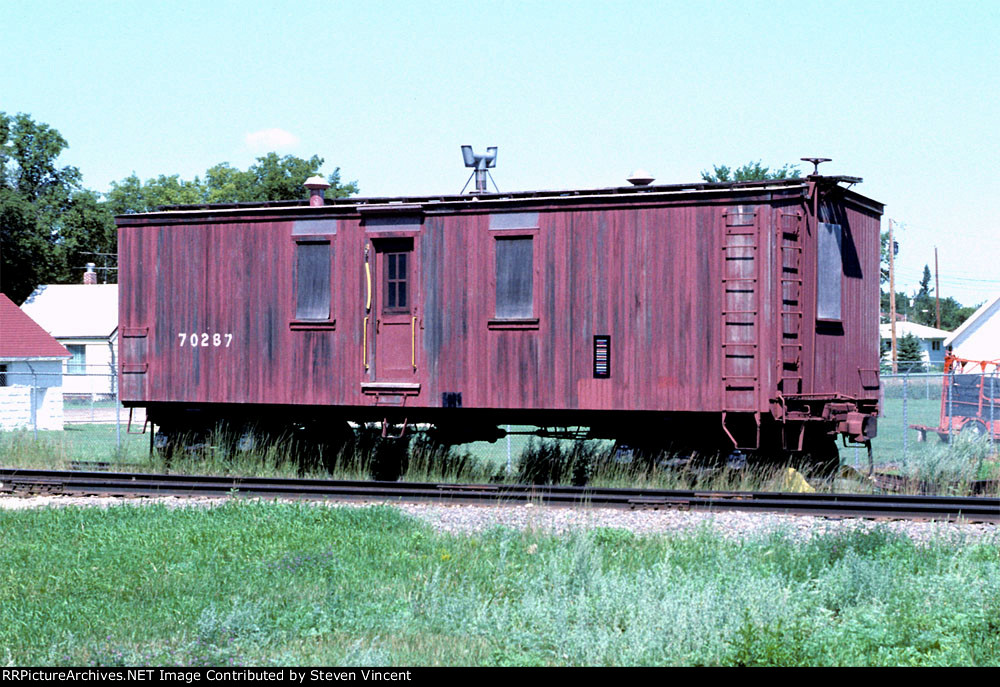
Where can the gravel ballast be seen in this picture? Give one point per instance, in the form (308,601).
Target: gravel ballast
(461,519)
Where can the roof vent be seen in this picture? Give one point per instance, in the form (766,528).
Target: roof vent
(482,163)
(640,177)
(317,185)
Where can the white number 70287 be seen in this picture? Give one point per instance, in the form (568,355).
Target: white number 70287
(204,339)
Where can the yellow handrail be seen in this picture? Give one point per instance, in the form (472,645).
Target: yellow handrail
(368,282)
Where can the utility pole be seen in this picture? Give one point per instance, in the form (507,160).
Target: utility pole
(937,291)
(892,296)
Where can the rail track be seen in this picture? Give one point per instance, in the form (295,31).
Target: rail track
(882,506)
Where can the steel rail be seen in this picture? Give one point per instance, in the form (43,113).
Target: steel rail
(888,506)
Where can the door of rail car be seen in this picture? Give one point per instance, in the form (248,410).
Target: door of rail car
(396,310)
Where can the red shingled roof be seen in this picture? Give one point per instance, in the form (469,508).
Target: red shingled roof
(22,337)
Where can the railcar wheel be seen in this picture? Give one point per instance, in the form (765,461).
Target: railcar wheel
(736,460)
(328,444)
(822,455)
(648,456)
(389,458)
(165,444)
(251,439)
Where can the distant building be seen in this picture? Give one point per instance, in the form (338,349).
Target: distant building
(979,336)
(931,341)
(31,364)
(84,319)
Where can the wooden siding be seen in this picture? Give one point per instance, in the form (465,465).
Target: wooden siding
(661,279)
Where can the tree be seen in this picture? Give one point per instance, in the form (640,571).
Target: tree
(953,313)
(34,194)
(751,171)
(884,262)
(282,178)
(925,283)
(49,222)
(28,152)
(25,254)
(922,309)
(909,354)
(86,226)
(271,178)
(131,195)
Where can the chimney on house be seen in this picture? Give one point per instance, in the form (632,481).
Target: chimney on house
(90,276)
(317,186)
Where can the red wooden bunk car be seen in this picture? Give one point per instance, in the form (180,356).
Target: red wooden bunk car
(708,315)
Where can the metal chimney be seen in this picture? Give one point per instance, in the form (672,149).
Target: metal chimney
(317,185)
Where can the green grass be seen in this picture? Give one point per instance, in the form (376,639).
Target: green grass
(948,466)
(894,432)
(259,584)
(896,448)
(53,449)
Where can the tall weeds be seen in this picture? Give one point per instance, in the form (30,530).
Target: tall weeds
(951,469)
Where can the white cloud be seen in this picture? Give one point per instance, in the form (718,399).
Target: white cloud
(270,139)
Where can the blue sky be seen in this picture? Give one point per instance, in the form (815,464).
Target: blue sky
(574,94)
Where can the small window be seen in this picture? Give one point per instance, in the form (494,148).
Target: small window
(77,365)
(514,296)
(935,345)
(829,271)
(397,270)
(312,280)
(3,375)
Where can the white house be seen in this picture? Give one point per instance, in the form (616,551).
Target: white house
(931,341)
(31,364)
(84,319)
(979,336)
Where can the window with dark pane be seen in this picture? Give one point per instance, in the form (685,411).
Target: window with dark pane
(312,280)
(396,279)
(514,278)
(829,271)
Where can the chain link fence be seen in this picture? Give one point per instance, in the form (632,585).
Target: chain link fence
(933,421)
(74,417)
